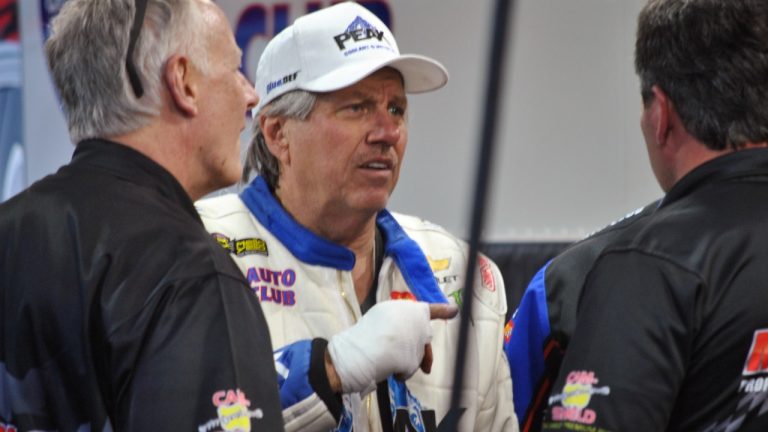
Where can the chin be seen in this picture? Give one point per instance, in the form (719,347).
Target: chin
(231,179)
(374,204)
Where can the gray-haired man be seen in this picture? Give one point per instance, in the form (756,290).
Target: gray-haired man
(119,312)
(326,259)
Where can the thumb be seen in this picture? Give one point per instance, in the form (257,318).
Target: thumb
(442,311)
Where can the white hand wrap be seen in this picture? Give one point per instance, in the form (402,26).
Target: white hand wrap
(388,339)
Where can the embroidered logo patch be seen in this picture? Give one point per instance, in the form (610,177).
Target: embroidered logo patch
(233,413)
(572,404)
(358,30)
(272,286)
(402,295)
(242,247)
(757,359)
(486,273)
(508,330)
(438,264)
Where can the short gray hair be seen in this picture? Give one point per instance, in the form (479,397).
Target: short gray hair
(711,58)
(86,55)
(297,104)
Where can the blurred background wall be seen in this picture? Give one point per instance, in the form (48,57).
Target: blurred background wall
(569,160)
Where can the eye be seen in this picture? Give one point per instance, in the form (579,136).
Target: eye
(396,110)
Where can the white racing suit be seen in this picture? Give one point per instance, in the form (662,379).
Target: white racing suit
(306,290)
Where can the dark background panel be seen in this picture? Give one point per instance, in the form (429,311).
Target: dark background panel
(519,262)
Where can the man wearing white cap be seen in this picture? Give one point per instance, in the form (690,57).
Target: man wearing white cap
(349,288)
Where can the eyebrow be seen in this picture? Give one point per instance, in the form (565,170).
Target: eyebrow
(403,100)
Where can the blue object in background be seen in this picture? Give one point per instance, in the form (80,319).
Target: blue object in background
(12,156)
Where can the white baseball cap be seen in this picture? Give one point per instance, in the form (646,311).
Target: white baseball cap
(334,48)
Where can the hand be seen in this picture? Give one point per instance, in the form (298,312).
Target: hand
(392,338)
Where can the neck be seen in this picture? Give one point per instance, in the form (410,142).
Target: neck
(365,264)
(355,230)
(693,155)
(339,223)
(167,148)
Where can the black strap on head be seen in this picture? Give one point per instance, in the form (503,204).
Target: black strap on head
(493,89)
(130,67)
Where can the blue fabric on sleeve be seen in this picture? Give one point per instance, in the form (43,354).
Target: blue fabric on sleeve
(292,365)
(525,346)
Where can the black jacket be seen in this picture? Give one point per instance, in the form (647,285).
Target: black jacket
(671,326)
(118,308)
(544,322)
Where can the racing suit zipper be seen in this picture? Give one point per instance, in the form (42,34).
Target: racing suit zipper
(368,398)
(345,298)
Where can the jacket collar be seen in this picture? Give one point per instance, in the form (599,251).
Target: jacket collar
(730,166)
(134,167)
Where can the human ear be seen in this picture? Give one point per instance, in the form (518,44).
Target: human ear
(274,130)
(662,111)
(181,79)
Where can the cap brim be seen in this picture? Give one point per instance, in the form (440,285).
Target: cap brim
(420,74)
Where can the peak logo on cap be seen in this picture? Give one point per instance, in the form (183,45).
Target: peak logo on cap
(334,48)
(358,30)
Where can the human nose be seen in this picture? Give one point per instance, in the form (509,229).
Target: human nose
(251,97)
(387,128)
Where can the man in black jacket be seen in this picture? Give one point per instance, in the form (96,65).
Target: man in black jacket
(669,327)
(540,331)
(119,311)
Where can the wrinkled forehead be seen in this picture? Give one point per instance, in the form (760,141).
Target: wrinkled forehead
(375,81)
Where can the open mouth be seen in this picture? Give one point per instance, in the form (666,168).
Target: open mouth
(379,165)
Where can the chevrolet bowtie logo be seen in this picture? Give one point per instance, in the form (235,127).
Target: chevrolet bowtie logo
(439,264)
